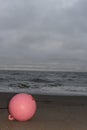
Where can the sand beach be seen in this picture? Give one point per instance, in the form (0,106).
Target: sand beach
(53,113)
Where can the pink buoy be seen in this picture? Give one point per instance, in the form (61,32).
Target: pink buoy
(22,107)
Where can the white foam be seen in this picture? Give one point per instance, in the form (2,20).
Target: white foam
(63,90)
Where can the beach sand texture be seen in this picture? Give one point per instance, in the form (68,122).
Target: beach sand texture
(53,113)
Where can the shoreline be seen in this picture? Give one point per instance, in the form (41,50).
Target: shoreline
(60,99)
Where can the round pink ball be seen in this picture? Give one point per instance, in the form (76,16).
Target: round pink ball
(22,107)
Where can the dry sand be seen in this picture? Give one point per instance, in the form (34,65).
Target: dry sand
(53,113)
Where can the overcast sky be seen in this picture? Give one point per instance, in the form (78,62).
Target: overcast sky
(49,32)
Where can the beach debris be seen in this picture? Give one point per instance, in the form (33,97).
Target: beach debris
(22,107)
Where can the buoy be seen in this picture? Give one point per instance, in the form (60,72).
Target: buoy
(22,107)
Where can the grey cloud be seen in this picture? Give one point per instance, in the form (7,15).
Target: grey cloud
(48,31)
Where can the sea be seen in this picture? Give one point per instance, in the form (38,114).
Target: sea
(44,82)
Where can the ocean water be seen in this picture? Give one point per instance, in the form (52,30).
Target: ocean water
(43,82)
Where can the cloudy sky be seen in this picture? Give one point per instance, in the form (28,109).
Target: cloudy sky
(44,32)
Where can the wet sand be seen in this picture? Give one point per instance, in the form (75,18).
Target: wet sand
(53,113)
